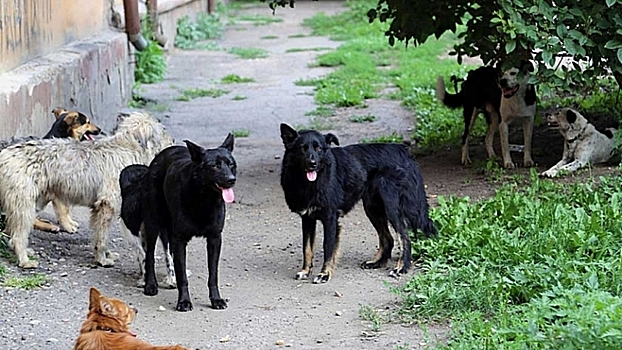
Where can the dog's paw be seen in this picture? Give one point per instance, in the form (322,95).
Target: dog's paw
(322,277)
(185,305)
(397,273)
(369,265)
(105,262)
(70,226)
(150,289)
(508,165)
(140,283)
(528,163)
(169,282)
(549,173)
(302,275)
(218,304)
(29,264)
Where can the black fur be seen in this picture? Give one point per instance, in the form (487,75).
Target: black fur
(182,197)
(130,181)
(481,88)
(383,175)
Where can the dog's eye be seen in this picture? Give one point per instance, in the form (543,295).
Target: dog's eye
(216,166)
(305,147)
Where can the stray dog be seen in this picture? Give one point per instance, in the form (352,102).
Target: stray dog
(107,327)
(324,183)
(502,100)
(77,173)
(583,144)
(518,103)
(130,181)
(480,92)
(184,195)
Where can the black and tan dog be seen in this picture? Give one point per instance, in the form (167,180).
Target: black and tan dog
(503,98)
(322,183)
(183,195)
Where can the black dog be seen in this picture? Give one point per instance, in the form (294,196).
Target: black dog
(183,196)
(323,183)
(480,92)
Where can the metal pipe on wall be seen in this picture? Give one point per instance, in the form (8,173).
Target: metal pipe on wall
(211,6)
(132,24)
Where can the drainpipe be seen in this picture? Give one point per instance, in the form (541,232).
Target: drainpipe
(210,6)
(132,24)
(152,9)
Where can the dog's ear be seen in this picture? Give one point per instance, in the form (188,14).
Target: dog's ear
(94,296)
(526,66)
(228,143)
(58,111)
(288,134)
(571,117)
(330,138)
(196,151)
(69,117)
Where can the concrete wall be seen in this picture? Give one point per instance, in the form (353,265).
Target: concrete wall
(33,28)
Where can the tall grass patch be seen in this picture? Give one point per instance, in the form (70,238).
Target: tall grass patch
(534,267)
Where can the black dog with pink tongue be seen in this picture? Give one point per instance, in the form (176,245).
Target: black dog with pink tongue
(184,196)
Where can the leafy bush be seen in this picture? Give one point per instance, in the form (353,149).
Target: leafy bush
(150,63)
(192,35)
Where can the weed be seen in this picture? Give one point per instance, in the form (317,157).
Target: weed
(371,315)
(260,20)
(307,82)
(248,52)
(150,62)
(239,98)
(189,94)
(235,79)
(320,123)
(29,282)
(297,36)
(241,133)
(307,49)
(367,118)
(193,35)
(322,111)
(394,137)
(269,37)
(491,170)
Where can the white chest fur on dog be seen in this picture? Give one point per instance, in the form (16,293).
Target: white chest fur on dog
(583,144)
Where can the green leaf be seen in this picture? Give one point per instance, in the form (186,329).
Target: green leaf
(613,44)
(510,46)
(562,31)
(620,55)
(547,57)
(610,2)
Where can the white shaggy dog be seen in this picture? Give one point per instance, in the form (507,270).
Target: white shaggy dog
(583,144)
(77,173)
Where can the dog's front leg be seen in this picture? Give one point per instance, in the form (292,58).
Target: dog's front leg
(505,147)
(331,248)
(179,260)
(574,166)
(527,134)
(493,125)
(308,243)
(213,256)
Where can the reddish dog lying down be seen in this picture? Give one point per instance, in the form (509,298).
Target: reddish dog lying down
(107,327)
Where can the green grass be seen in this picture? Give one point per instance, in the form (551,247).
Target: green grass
(269,37)
(241,133)
(235,79)
(248,52)
(306,49)
(537,266)
(194,35)
(189,94)
(394,137)
(371,315)
(29,282)
(322,111)
(297,36)
(367,118)
(259,20)
(412,70)
(239,98)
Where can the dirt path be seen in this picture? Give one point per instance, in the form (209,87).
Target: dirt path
(262,239)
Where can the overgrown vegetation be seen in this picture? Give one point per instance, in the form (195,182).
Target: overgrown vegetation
(537,266)
(196,35)
(241,133)
(367,118)
(28,282)
(190,94)
(235,79)
(392,138)
(150,63)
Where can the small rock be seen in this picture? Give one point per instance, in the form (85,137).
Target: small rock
(161,308)
(277,157)
(225,339)
(338,313)
(288,345)
(280,342)
(319,341)
(52,340)
(63,274)
(34,322)
(338,295)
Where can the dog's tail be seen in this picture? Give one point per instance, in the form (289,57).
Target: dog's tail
(449,100)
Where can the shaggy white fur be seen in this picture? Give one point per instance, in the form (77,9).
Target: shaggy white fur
(77,173)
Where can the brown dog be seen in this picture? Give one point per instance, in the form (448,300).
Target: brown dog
(107,327)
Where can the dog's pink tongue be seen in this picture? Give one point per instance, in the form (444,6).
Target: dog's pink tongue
(227,195)
(132,333)
(311,175)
